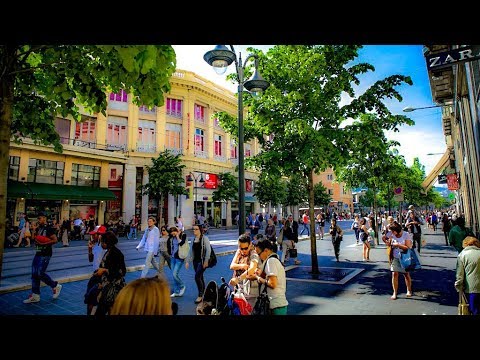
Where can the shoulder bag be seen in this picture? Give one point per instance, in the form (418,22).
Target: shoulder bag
(463,304)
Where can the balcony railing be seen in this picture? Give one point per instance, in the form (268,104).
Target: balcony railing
(92,144)
(201,154)
(175,151)
(149,148)
(220,158)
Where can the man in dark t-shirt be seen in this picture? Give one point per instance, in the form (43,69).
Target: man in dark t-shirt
(44,237)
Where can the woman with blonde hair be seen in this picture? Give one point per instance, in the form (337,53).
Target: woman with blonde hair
(144,296)
(468,273)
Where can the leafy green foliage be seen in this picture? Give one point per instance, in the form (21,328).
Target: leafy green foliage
(165,176)
(228,189)
(296,190)
(270,189)
(320,194)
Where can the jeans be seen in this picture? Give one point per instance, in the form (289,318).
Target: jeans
(199,279)
(177,282)
(306,227)
(149,260)
(162,257)
(417,240)
(39,266)
(132,233)
(336,246)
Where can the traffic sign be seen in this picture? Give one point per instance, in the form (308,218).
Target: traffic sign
(398,197)
(398,190)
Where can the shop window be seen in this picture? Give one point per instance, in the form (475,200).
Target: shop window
(45,171)
(85,175)
(13,167)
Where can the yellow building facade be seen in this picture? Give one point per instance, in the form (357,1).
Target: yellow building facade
(342,198)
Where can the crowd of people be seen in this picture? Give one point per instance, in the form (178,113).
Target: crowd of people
(259,262)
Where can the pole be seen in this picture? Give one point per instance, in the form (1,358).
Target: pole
(241,168)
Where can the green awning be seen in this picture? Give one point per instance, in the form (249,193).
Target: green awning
(37,191)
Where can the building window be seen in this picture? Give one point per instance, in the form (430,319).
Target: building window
(218,145)
(173,138)
(330,177)
(85,175)
(45,171)
(85,134)
(13,168)
(146,141)
(199,113)
(233,149)
(121,96)
(63,129)
(216,124)
(330,192)
(248,150)
(116,133)
(200,143)
(118,101)
(174,108)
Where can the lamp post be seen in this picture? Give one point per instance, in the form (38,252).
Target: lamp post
(198,178)
(410,108)
(220,58)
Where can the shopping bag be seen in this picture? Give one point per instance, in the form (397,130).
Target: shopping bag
(409,260)
(292,252)
(463,304)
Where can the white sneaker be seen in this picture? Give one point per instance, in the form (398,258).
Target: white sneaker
(182,291)
(32,298)
(56,291)
(174,294)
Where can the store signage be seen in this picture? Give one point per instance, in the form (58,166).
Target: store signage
(448,58)
(442,179)
(452,182)
(211,181)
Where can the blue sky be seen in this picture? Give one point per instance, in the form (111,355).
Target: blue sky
(426,136)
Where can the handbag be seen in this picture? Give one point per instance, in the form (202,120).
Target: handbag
(212,261)
(262,305)
(293,252)
(409,260)
(463,304)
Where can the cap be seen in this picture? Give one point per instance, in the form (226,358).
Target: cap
(411,207)
(98,230)
(41,213)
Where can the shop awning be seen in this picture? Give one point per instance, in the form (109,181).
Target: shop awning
(432,177)
(36,191)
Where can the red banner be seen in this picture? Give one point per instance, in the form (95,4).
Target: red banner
(211,181)
(452,182)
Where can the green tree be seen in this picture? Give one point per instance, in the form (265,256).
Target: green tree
(39,82)
(299,119)
(270,189)
(164,177)
(321,197)
(228,188)
(296,191)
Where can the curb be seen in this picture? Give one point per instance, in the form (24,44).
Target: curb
(26,286)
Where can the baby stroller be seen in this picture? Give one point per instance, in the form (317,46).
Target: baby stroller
(215,299)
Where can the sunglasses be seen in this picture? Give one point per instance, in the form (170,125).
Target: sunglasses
(244,248)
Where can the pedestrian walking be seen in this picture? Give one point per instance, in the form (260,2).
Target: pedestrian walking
(150,242)
(45,238)
(163,255)
(399,240)
(199,255)
(468,273)
(177,239)
(337,237)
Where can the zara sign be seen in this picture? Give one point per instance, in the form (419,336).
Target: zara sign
(448,58)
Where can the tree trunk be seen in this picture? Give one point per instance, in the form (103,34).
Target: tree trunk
(375,226)
(6,113)
(313,239)
(160,211)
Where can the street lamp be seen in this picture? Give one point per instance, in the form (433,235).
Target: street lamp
(199,178)
(435,154)
(410,108)
(220,58)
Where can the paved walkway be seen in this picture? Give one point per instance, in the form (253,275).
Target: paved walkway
(367,293)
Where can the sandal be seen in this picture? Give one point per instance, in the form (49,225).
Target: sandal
(409,294)
(393,297)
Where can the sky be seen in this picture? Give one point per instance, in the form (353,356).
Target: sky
(425,137)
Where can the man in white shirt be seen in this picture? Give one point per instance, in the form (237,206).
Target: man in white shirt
(150,242)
